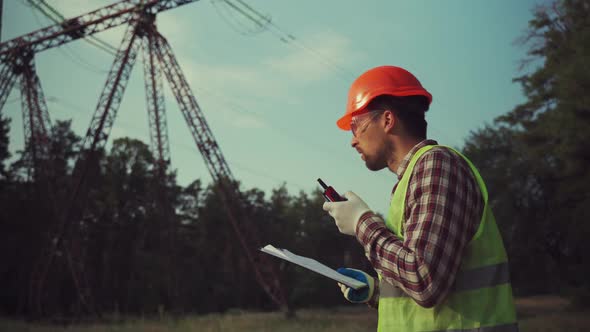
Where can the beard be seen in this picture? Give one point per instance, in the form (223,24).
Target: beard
(378,160)
(375,166)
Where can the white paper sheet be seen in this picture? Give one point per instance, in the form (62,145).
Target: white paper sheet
(313,265)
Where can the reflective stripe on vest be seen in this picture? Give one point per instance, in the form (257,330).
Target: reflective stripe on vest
(481,296)
(485,276)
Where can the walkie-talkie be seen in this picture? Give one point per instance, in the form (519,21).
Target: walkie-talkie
(329,193)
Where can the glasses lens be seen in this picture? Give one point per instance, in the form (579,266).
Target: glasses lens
(353,127)
(361,121)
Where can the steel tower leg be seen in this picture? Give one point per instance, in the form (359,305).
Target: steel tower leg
(264,268)
(95,139)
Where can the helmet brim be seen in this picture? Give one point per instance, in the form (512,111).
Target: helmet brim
(344,122)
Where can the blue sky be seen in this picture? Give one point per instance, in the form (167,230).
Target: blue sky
(272,105)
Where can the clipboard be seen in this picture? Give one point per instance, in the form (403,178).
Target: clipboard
(313,265)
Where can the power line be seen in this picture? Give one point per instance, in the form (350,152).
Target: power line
(247,10)
(66,51)
(229,16)
(284,36)
(255,16)
(43,7)
(58,18)
(281,130)
(262,21)
(183,146)
(250,13)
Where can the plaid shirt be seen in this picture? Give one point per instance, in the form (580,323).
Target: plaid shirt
(443,209)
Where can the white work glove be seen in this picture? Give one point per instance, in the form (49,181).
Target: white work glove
(347,213)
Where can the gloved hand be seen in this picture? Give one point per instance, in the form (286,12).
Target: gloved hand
(362,295)
(347,213)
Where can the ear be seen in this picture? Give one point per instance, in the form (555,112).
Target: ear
(390,121)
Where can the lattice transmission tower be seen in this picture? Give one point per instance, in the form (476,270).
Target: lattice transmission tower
(17,65)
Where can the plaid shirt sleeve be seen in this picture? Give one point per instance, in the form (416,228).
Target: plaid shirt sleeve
(443,209)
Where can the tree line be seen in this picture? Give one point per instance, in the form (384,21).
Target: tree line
(535,158)
(124,238)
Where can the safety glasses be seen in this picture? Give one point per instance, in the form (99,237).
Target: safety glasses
(360,123)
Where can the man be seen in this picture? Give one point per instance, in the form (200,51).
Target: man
(439,256)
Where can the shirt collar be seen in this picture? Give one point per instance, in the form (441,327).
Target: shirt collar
(404,164)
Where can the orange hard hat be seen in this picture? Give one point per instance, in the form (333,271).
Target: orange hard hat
(383,80)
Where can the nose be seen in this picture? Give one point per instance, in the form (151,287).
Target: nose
(354,142)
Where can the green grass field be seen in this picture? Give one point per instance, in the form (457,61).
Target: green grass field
(548,314)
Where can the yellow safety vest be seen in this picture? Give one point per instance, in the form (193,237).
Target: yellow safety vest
(481,297)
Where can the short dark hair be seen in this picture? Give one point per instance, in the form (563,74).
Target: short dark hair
(409,110)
